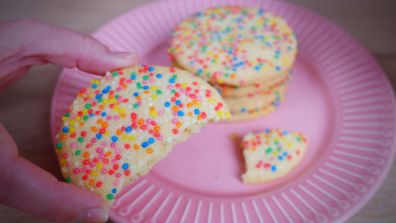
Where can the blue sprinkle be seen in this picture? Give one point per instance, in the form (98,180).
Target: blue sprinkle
(167,104)
(180,113)
(114,138)
(234,58)
(146,87)
(273,168)
(196,111)
(133,76)
(277,68)
(65,129)
(151,68)
(135,94)
(98,96)
(145,144)
(257,67)
(280,158)
(103,114)
(98,136)
(114,191)
(199,72)
(91,115)
(94,86)
(151,140)
(106,89)
(125,166)
(178,102)
(285,153)
(159,76)
(267,131)
(128,129)
(284,132)
(243,109)
(171,80)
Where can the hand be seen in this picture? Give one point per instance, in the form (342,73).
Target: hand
(23,185)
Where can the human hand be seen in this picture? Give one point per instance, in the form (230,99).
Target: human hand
(22,184)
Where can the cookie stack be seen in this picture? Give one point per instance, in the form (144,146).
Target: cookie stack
(245,53)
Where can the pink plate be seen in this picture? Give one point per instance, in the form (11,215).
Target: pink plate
(339,97)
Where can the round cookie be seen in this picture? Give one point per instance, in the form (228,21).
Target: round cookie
(120,126)
(272,154)
(233,45)
(237,91)
(256,101)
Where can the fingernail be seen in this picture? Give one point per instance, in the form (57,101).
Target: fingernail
(126,55)
(94,215)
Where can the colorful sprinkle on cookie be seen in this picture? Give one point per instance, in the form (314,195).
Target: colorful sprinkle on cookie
(121,125)
(234,45)
(272,154)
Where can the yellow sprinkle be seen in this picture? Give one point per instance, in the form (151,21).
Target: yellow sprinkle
(212,101)
(153,112)
(154,96)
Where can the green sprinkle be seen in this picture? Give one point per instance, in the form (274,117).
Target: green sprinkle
(268,151)
(78,152)
(139,85)
(158,92)
(110,196)
(67,114)
(80,139)
(85,117)
(87,106)
(298,138)
(276,142)
(145,77)
(136,105)
(59,146)
(68,179)
(115,73)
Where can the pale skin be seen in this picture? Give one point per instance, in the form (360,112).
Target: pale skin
(27,43)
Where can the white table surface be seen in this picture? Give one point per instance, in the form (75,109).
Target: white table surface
(372,22)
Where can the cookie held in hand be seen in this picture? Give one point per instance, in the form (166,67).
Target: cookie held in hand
(120,126)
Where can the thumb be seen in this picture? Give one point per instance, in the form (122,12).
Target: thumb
(67,48)
(28,188)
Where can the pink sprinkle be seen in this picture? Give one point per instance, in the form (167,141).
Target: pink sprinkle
(116,117)
(108,117)
(99,150)
(73,145)
(118,175)
(103,143)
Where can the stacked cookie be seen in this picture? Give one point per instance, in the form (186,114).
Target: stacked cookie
(246,53)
